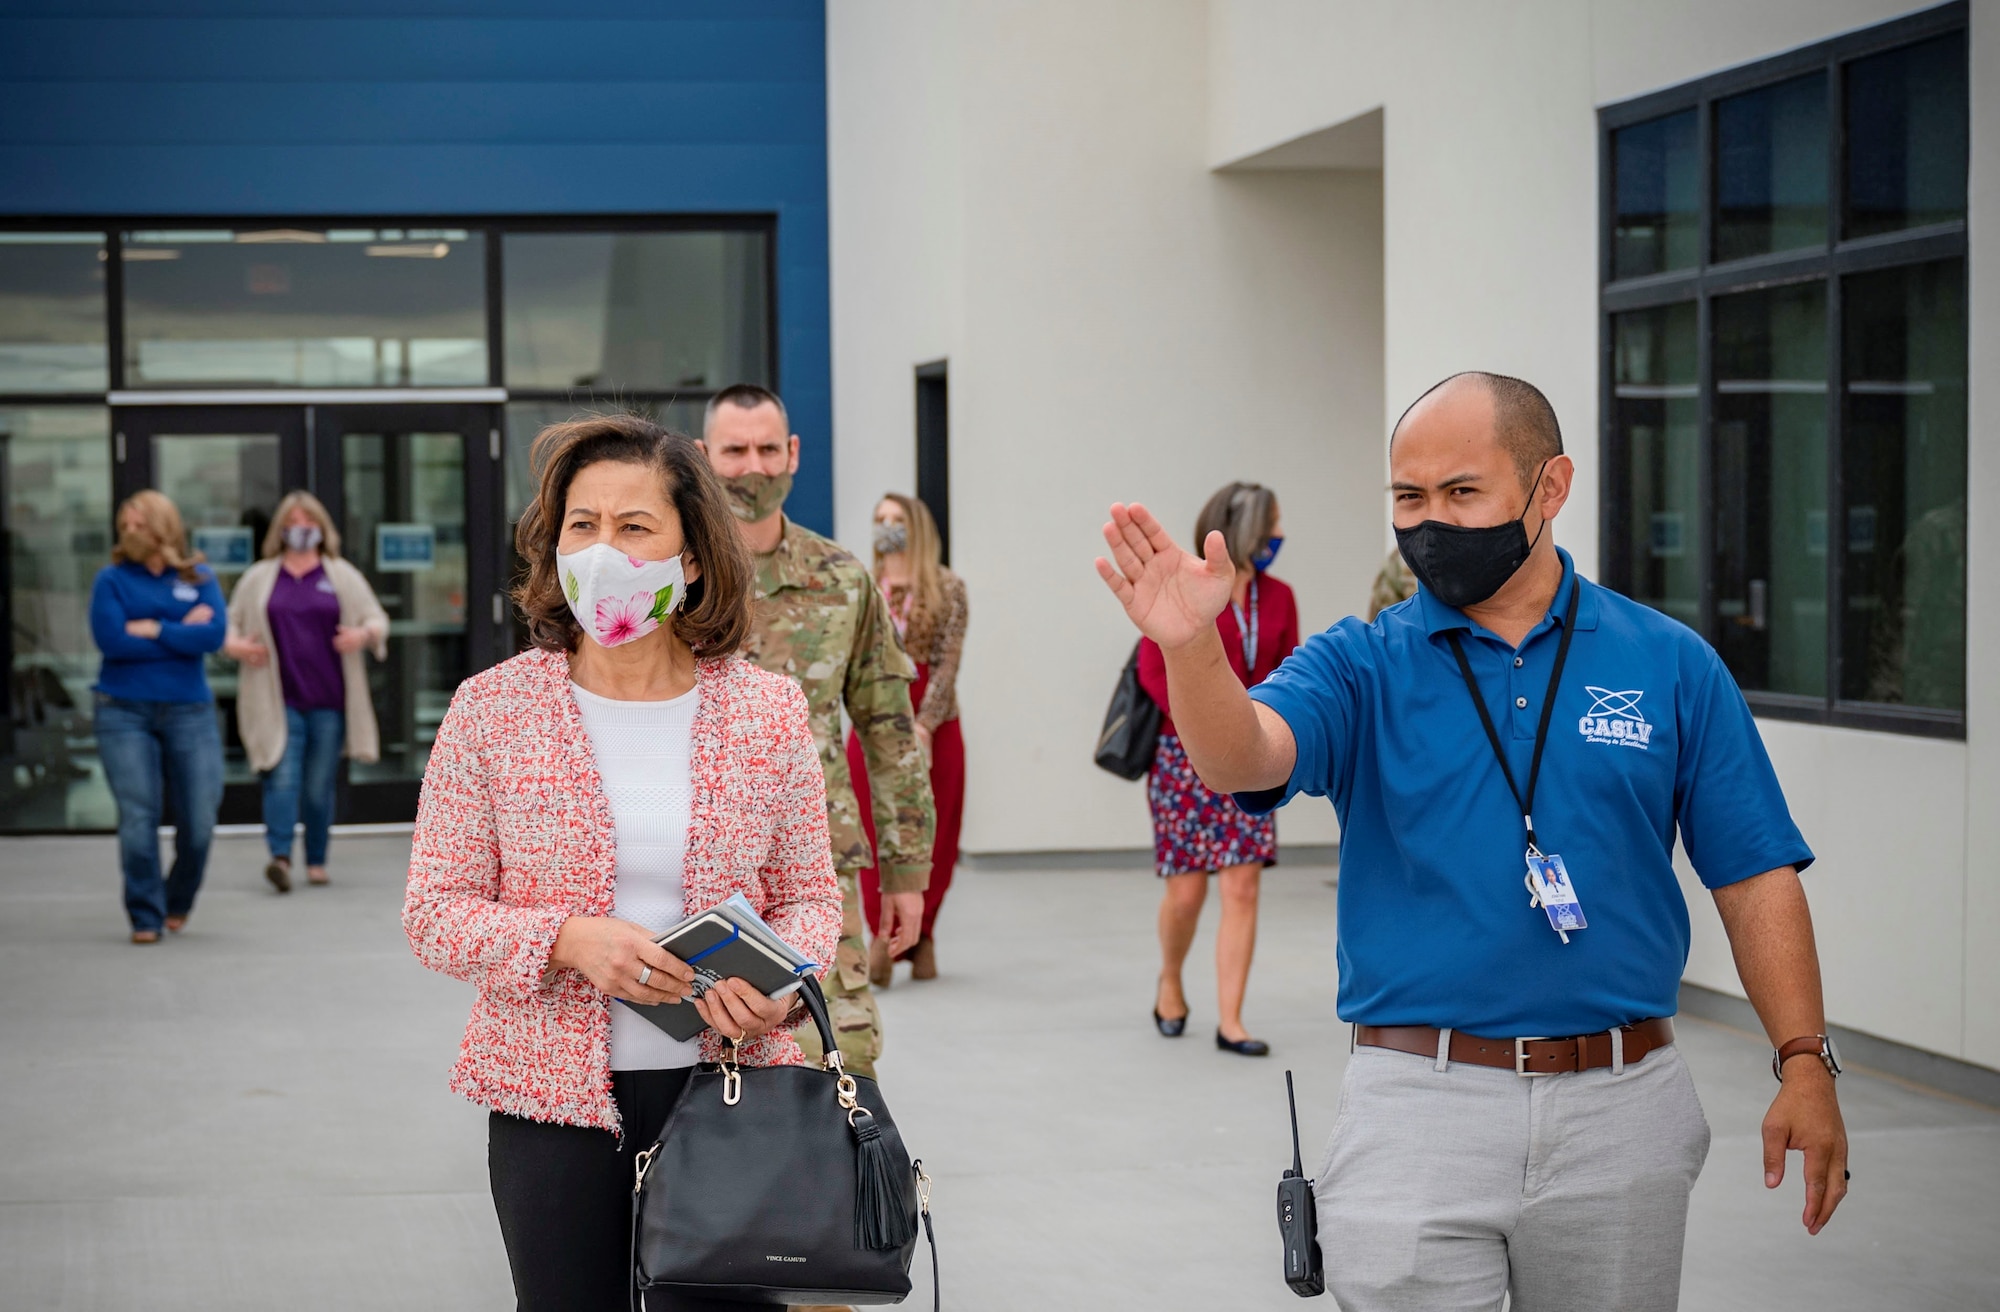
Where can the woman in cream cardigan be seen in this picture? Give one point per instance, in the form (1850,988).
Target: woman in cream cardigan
(298,622)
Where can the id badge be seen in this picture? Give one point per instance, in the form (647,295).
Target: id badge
(1549,888)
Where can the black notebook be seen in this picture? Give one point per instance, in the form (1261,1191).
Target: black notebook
(725,943)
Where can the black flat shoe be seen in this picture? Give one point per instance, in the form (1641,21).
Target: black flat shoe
(1171,1027)
(1243,1047)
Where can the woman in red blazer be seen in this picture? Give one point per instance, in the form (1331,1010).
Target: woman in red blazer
(1197,832)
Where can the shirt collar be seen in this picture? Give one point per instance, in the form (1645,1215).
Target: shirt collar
(1440,618)
(782,568)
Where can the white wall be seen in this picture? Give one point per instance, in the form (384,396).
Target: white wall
(1491,212)
(1490,181)
(1122,324)
(1045,192)
(1982,776)
(893,200)
(1885,817)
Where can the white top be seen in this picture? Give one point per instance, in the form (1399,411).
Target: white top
(642,751)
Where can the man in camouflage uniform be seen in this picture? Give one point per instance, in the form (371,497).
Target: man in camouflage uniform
(1393,584)
(818,617)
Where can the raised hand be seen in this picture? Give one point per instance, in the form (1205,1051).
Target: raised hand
(1169,595)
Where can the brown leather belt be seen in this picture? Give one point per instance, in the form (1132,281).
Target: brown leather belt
(1524,1056)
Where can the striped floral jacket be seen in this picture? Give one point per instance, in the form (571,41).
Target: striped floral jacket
(514,835)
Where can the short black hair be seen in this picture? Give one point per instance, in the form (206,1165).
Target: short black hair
(1523,420)
(747,396)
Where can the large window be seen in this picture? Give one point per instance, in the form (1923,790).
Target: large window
(1784,412)
(299,307)
(279,334)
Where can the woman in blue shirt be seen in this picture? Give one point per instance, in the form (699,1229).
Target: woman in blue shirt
(155,612)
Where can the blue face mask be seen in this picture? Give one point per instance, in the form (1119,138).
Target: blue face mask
(1266,554)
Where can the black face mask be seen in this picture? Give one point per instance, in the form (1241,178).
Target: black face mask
(1464,566)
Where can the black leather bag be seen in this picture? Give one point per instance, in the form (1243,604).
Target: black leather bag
(1130,738)
(779,1184)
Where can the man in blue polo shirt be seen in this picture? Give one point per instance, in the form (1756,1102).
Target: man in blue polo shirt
(1511,753)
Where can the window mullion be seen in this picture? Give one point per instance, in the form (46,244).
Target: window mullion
(1836,388)
(114,307)
(1705,366)
(496,329)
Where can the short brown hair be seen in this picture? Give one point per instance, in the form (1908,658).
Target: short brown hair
(747,396)
(1242,513)
(716,615)
(300,499)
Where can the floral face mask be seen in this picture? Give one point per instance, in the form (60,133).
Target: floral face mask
(616,597)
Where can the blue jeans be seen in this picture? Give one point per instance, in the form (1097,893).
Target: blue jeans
(153,751)
(303,782)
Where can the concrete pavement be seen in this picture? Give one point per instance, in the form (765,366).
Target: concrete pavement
(254,1115)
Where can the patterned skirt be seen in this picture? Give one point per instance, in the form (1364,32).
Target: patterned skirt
(1195,829)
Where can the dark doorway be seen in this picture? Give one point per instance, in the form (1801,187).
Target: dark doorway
(934,449)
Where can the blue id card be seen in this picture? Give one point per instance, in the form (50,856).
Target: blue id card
(1549,888)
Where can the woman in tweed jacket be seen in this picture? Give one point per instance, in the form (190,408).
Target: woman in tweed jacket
(581,797)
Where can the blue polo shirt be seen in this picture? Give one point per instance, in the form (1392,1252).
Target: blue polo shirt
(163,669)
(1650,734)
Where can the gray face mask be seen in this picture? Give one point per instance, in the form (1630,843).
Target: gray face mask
(302,537)
(891,538)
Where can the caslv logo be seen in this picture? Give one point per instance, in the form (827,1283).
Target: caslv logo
(1614,718)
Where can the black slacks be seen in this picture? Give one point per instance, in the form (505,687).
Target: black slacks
(564,1197)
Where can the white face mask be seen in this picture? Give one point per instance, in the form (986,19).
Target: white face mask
(616,597)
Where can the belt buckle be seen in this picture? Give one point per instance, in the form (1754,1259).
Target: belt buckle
(1521,1057)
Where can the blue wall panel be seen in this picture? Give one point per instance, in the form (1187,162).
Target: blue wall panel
(477,107)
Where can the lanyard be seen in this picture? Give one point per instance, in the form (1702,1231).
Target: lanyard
(1527,801)
(1246,630)
(899,615)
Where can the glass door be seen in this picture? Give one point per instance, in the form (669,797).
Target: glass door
(225,468)
(414,490)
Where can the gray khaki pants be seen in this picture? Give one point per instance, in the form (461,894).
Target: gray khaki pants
(1442,1191)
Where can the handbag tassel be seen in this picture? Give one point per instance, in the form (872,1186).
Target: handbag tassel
(880,1219)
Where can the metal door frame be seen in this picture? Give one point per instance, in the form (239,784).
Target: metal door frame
(309,427)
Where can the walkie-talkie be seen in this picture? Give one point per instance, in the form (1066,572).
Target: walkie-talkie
(1298,1218)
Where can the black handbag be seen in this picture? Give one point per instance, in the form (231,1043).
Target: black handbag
(1131,734)
(779,1184)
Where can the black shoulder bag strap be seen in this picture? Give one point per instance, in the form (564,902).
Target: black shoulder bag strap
(1526,801)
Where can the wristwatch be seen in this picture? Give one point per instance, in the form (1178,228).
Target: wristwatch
(1819,1045)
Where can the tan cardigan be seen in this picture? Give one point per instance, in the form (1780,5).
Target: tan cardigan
(260,695)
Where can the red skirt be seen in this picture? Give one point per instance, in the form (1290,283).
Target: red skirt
(947,787)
